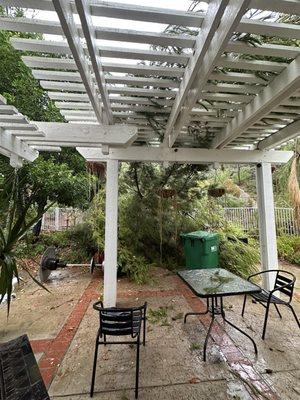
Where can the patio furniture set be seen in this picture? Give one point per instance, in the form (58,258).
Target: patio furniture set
(19,374)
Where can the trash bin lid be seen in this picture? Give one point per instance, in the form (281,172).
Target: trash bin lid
(200,235)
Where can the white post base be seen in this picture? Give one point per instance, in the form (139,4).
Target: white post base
(111,234)
(267,226)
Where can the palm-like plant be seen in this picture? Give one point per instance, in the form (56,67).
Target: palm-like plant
(17,216)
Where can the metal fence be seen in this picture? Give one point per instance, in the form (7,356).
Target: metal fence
(247,219)
(59,219)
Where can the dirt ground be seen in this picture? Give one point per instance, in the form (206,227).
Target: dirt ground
(62,326)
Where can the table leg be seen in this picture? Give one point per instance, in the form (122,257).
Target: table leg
(197,313)
(212,311)
(234,326)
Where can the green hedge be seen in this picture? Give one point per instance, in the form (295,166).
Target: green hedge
(289,248)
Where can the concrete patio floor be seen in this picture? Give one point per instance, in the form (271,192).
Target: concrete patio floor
(62,326)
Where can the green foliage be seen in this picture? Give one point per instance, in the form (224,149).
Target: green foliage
(159,316)
(239,258)
(75,245)
(135,267)
(16,219)
(289,248)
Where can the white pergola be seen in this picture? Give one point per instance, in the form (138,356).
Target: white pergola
(127,95)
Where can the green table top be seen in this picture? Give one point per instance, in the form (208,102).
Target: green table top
(215,282)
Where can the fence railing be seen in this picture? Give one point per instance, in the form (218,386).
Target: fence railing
(247,219)
(59,219)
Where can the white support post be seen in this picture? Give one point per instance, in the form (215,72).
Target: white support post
(267,227)
(111,234)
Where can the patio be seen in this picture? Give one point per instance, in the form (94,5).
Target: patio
(207,103)
(62,330)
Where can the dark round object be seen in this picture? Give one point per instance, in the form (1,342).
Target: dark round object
(216,192)
(46,260)
(92,265)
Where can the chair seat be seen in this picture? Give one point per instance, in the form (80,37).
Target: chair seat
(263,296)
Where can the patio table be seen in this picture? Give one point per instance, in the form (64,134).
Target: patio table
(214,284)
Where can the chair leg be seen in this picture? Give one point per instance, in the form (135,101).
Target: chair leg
(293,311)
(278,312)
(137,368)
(104,340)
(244,305)
(266,320)
(144,331)
(94,367)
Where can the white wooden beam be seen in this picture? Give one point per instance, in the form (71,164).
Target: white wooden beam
(281,6)
(191,156)
(142,70)
(251,65)
(280,137)
(83,9)
(50,63)
(111,234)
(213,17)
(66,17)
(267,227)
(282,87)
(270,50)
(12,145)
(60,133)
(281,30)
(220,22)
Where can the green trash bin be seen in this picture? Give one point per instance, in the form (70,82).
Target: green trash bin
(201,249)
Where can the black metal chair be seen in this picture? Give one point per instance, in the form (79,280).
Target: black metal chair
(284,283)
(120,322)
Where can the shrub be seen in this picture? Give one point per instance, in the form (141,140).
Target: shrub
(240,258)
(289,248)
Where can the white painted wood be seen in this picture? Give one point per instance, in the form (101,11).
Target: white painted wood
(267,228)
(48,75)
(271,50)
(41,46)
(282,30)
(111,234)
(137,54)
(2,100)
(141,92)
(82,97)
(66,86)
(282,6)
(223,27)
(191,156)
(138,81)
(282,87)
(8,110)
(50,63)
(280,137)
(60,133)
(12,145)
(254,65)
(237,77)
(66,17)
(154,38)
(142,70)
(83,9)
(213,17)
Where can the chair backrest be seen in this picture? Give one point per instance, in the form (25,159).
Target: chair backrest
(120,321)
(286,279)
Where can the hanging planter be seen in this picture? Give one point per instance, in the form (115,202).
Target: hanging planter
(216,191)
(166,193)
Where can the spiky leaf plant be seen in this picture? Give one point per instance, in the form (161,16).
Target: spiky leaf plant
(17,216)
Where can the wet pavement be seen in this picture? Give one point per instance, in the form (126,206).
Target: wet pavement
(62,326)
